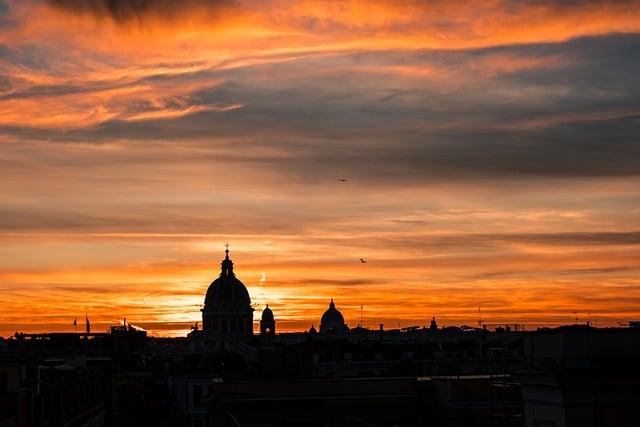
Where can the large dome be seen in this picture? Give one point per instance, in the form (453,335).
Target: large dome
(332,320)
(227,290)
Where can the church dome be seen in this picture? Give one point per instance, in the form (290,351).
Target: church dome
(267,314)
(332,320)
(227,290)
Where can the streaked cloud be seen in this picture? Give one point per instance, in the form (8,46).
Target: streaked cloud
(490,149)
(124,11)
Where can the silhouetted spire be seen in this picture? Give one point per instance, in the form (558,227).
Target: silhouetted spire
(227,264)
(434,325)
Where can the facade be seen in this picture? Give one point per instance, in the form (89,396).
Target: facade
(227,306)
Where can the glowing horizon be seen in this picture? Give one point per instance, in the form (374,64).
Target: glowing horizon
(491,155)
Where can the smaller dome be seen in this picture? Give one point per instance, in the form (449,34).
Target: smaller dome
(332,320)
(267,314)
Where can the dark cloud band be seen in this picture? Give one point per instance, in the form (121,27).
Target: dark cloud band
(123,11)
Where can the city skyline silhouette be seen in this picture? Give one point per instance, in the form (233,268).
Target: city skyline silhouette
(319,213)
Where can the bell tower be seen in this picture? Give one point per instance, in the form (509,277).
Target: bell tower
(267,323)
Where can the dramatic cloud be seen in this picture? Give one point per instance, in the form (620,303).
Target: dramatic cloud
(491,151)
(124,11)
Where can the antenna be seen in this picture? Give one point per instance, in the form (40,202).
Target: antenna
(575,313)
(479,317)
(361,324)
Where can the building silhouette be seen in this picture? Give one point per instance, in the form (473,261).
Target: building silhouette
(267,322)
(332,321)
(227,305)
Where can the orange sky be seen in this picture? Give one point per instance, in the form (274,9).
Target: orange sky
(490,150)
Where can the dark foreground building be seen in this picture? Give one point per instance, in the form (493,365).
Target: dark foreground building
(581,376)
(225,375)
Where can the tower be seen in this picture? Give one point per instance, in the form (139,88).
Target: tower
(434,325)
(267,323)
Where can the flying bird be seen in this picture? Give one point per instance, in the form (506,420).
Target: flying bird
(342,180)
(363,261)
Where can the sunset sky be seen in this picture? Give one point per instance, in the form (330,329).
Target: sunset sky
(491,151)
